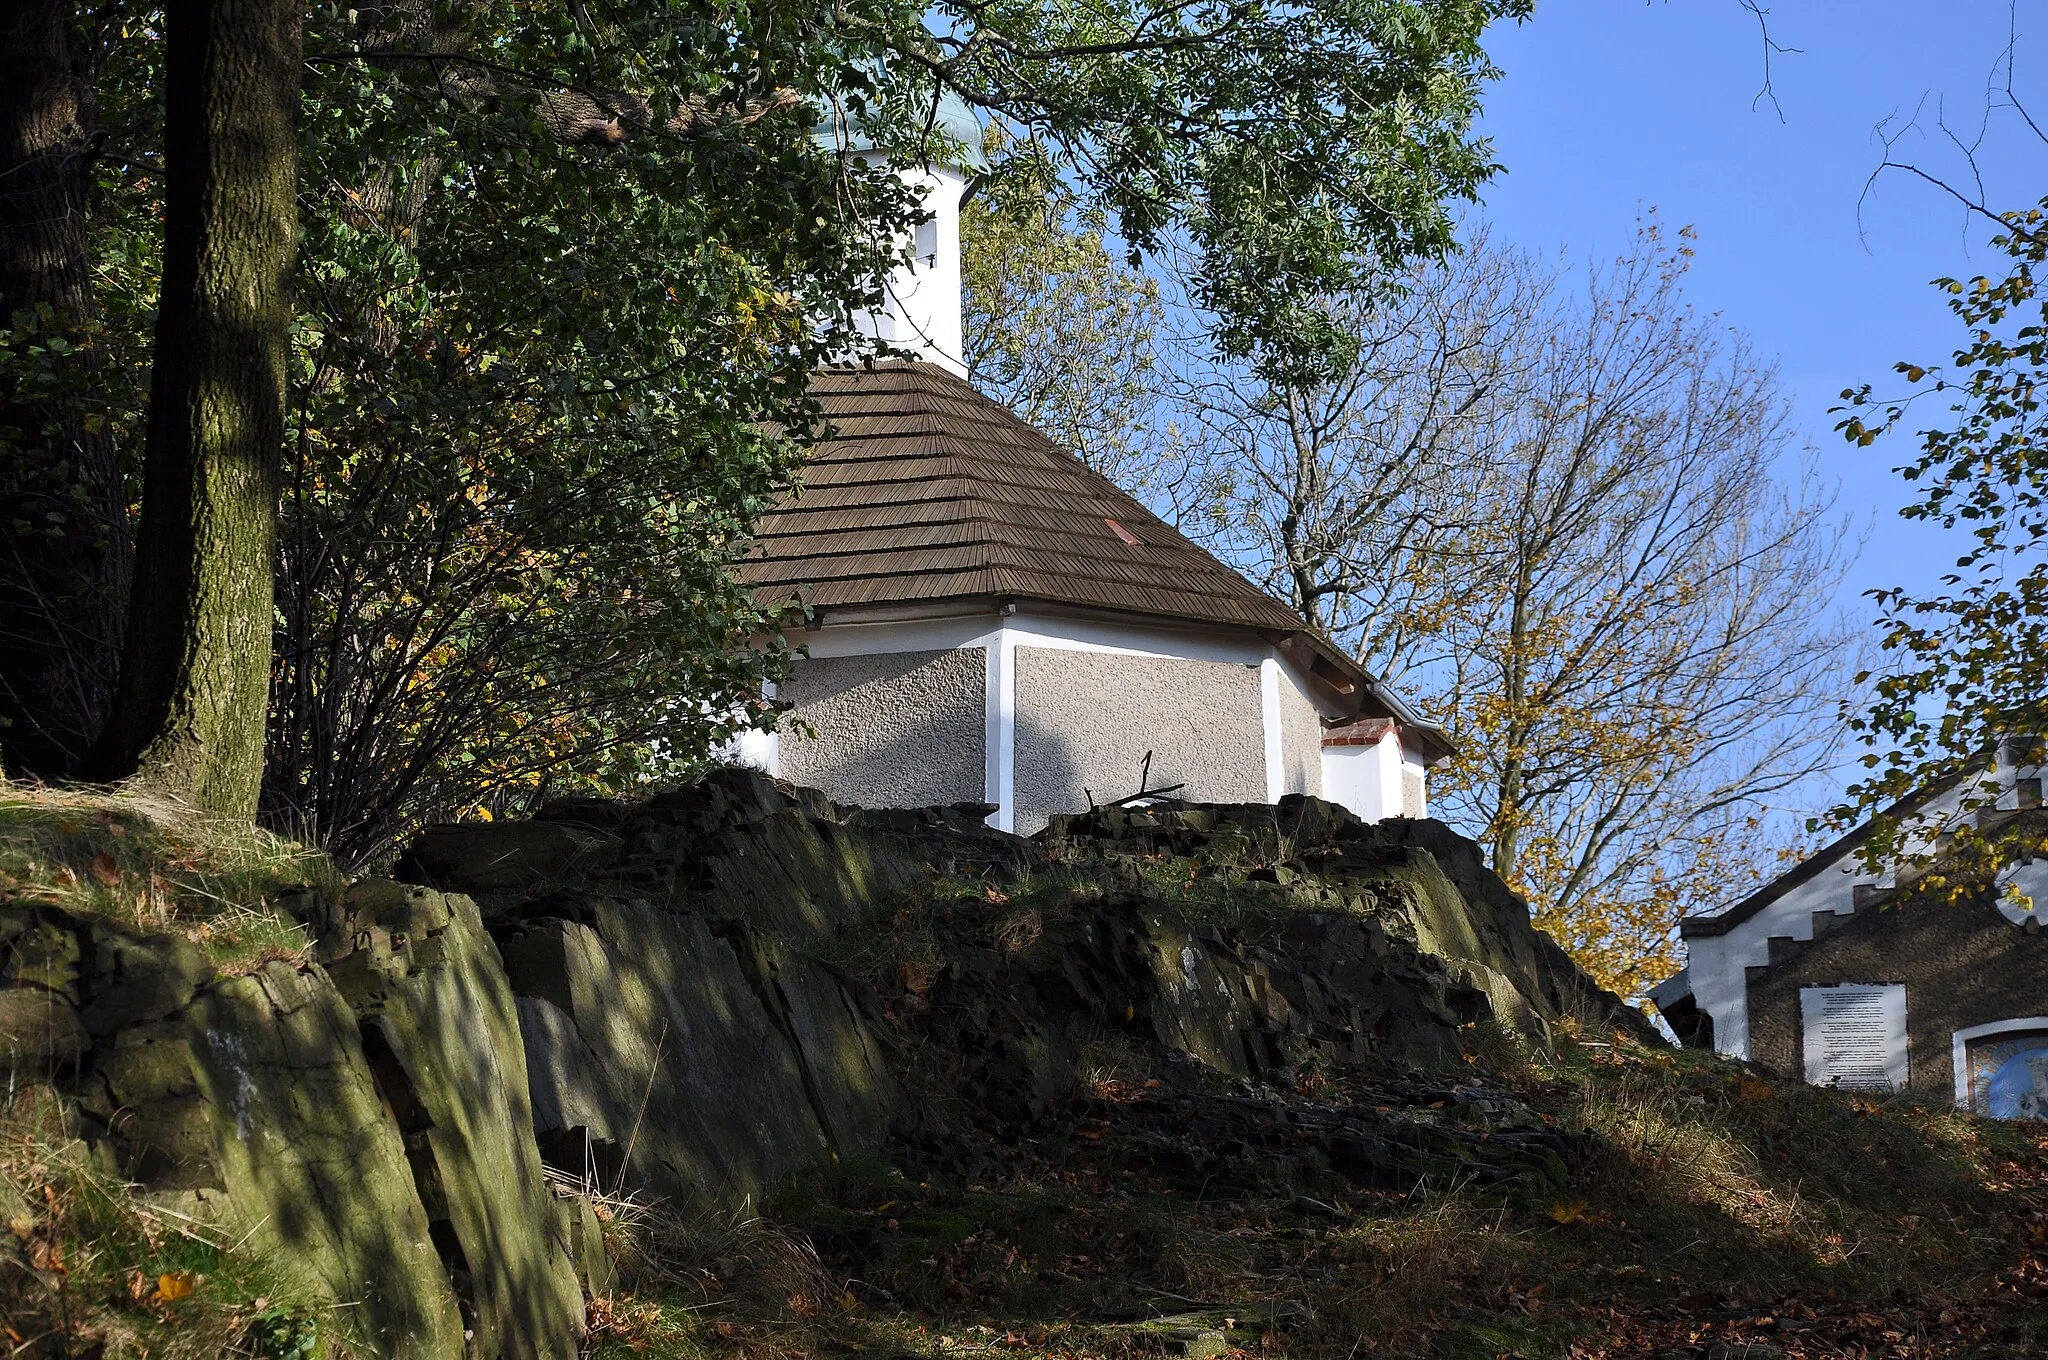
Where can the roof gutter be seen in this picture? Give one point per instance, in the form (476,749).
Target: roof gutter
(1373,699)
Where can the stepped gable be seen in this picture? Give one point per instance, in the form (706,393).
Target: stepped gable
(924,490)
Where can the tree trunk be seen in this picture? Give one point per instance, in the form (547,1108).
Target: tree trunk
(189,712)
(63,517)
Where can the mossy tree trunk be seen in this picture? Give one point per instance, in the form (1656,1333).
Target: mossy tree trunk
(63,529)
(188,714)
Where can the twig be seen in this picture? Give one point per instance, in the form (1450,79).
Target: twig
(1147,793)
(645,1096)
(244,1238)
(1763,27)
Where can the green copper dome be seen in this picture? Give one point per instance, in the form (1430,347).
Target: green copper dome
(956,140)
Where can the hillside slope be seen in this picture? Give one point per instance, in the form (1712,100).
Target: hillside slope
(762,1077)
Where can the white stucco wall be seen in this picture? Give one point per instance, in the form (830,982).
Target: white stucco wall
(1301,738)
(1365,779)
(1085,721)
(1414,787)
(894,729)
(1268,712)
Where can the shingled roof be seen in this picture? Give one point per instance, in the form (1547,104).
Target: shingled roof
(926,491)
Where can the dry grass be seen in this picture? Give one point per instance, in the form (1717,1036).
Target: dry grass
(1705,1206)
(158,867)
(88,1267)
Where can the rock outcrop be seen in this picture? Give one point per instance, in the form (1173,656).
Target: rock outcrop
(727,985)
(686,1036)
(368,1134)
(442,1038)
(1420,880)
(687,1056)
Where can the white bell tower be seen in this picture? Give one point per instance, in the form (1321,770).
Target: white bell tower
(921,301)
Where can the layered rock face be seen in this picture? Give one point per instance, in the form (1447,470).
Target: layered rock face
(364,1125)
(698,995)
(1423,883)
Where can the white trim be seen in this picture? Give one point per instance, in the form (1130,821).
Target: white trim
(1720,963)
(1086,635)
(999,761)
(2028,879)
(1276,749)
(999,636)
(1959,1049)
(1061,634)
(915,635)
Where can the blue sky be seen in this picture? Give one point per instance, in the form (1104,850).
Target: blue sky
(1611,107)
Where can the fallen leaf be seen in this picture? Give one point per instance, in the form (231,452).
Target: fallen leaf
(1568,1213)
(174,1286)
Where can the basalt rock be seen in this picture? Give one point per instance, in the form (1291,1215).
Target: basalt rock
(685,1038)
(734,845)
(1421,880)
(441,1036)
(1243,1000)
(695,996)
(367,1132)
(699,1056)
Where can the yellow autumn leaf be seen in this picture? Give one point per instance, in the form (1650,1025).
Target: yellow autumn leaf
(1568,1213)
(174,1286)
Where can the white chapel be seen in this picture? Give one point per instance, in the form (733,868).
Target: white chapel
(991,621)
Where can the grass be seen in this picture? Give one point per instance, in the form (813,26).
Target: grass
(88,1267)
(158,867)
(1703,1205)
(1699,1204)
(1696,1204)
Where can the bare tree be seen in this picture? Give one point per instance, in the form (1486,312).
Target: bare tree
(1348,497)
(1566,517)
(1058,328)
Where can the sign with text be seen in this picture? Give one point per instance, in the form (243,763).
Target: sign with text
(1855,1035)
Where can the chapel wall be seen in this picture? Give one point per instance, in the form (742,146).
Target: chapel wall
(893,729)
(1301,740)
(1085,720)
(1962,966)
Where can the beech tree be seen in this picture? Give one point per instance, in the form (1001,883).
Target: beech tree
(64,536)
(188,710)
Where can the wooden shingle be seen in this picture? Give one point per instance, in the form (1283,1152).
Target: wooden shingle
(923,490)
